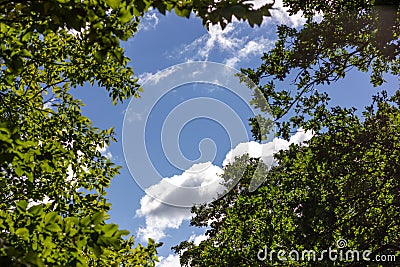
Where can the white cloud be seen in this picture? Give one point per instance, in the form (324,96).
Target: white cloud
(154,78)
(259,3)
(238,42)
(196,239)
(280,15)
(46,200)
(105,151)
(144,77)
(149,21)
(70,174)
(301,136)
(251,48)
(158,220)
(47,105)
(132,115)
(159,216)
(266,151)
(223,39)
(216,39)
(170,261)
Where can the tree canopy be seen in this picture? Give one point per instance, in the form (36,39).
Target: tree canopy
(344,183)
(322,52)
(53,175)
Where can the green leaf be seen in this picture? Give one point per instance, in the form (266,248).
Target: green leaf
(33,258)
(51,217)
(182,12)
(21,205)
(254,17)
(124,15)
(114,4)
(110,229)
(99,56)
(238,10)
(97,217)
(53,227)
(36,210)
(96,250)
(124,232)
(23,233)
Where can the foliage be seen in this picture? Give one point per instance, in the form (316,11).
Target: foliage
(343,185)
(53,176)
(41,34)
(47,158)
(323,52)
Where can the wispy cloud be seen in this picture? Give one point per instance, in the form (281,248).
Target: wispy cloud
(251,48)
(238,42)
(216,40)
(149,21)
(154,78)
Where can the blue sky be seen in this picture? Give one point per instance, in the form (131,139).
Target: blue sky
(162,42)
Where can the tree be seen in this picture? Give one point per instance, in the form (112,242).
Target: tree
(53,177)
(365,38)
(344,183)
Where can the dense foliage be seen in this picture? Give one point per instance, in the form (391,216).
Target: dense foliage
(53,176)
(344,184)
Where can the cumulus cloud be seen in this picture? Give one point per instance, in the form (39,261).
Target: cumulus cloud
(204,179)
(160,216)
(45,200)
(170,261)
(267,150)
(196,239)
(280,15)
(301,137)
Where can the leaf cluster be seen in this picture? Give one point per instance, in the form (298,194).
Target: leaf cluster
(342,185)
(304,60)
